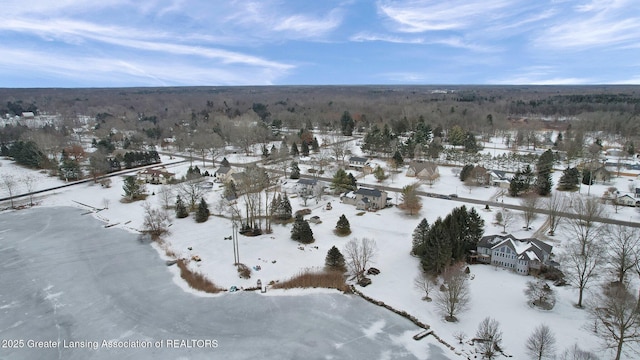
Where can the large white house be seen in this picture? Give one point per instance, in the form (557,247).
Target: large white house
(366,199)
(519,255)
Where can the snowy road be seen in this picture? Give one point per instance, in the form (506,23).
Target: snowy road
(66,281)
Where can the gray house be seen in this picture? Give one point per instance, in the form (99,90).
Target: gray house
(357,162)
(305,187)
(519,255)
(366,199)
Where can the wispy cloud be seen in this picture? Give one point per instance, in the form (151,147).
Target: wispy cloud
(541,75)
(421,16)
(606,23)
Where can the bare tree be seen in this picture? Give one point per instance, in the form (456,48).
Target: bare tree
(529,205)
(575,353)
(583,226)
(460,336)
(339,149)
(540,294)
(29,182)
(9,182)
(426,283)
(489,338)
(191,191)
(359,254)
(623,249)
(581,263)
(166,196)
(616,316)
(456,295)
(504,217)
(542,343)
(555,205)
(156,221)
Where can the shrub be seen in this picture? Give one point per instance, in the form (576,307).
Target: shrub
(196,280)
(314,279)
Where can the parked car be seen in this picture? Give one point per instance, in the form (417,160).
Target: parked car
(364,282)
(373,271)
(453,195)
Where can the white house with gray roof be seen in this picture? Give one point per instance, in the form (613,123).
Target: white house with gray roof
(366,199)
(519,255)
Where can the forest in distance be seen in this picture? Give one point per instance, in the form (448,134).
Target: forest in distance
(159,112)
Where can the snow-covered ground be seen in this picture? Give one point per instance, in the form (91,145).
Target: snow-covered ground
(495,292)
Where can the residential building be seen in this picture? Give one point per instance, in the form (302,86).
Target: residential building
(519,255)
(366,199)
(422,170)
(158,175)
(357,162)
(223,174)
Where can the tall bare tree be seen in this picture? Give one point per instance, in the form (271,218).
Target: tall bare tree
(29,182)
(359,255)
(456,295)
(555,205)
(166,196)
(617,318)
(542,343)
(425,283)
(581,263)
(10,184)
(584,226)
(156,221)
(529,205)
(623,249)
(576,353)
(489,338)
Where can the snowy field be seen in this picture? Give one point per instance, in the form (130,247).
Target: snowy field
(495,292)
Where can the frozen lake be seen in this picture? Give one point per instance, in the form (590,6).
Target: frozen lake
(68,281)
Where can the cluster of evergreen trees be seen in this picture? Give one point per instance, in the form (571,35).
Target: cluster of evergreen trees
(301,231)
(140,158)
(343,182)
(526,180)
(281,208)
(447,241)
(25,153)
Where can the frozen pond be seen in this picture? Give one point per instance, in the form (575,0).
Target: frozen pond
(66,281)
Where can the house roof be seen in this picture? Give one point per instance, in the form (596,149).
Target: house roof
(369,192)
(418,166)
(312,182)
(499,174)
(527,249)
(157,172)
(358,159)
(223,170)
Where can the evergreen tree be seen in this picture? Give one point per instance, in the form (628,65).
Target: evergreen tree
(569,180)
(284,149)
(379,173)
(347,124)
(397,159)
(265,151)
(437,255)
(181,209)
(419,238)
(304,149)
(470,145)
(281,207)
(132,189)
(587,178)
(202,214)
(315,146)
(352,183)
(301,231)
(341,182)
(466,171)
(294,150)
(295,170)
(274,151)
(334,261)
(343,227)
(544,168)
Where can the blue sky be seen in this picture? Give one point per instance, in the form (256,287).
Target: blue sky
(80,43)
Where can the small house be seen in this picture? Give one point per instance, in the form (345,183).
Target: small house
(357,162)
(627,200)
(158,175)
(498,178)
(305,187)
(223,174)
(422,170)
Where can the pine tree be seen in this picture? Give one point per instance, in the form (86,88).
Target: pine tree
(202,214)
(304,149)
(335,260)
(181,209)
(419,238)
(569,180)
(544,168)
(295,171)
(466,171)
(347,124)
(437,254)
(301,231)
(294,150)
(132,189)
(397,159)
(314,145)
(343,227)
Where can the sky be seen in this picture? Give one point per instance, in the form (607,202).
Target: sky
(122,43)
